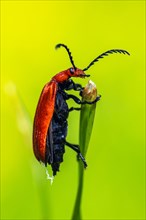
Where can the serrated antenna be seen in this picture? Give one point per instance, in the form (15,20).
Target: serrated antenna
(69,53)
(106,54)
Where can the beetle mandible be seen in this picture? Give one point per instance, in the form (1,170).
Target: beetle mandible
(50,121)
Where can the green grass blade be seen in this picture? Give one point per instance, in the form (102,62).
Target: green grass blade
(77,210)
(86,124)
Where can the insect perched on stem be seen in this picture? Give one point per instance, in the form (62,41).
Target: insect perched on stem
(50,121)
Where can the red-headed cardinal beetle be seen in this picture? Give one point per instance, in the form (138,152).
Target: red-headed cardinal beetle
(50,121)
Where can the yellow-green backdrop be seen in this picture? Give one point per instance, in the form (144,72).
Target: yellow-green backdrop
(114,180)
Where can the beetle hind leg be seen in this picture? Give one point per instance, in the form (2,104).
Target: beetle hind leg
(80,156)
(76,148)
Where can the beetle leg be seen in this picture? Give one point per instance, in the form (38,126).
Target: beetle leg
(75,147)
(72,108)
(71,85)
(78,101)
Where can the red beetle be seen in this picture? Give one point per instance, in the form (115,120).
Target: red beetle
(50,121)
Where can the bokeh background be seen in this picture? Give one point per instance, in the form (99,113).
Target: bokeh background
(114,180)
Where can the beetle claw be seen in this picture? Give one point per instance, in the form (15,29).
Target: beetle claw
(80,156)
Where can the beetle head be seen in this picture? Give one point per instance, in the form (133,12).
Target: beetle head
(76,72)
(71,72)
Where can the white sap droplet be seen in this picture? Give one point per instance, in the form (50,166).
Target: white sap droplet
(51,178)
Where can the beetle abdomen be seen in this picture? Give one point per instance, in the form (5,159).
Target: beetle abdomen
(57,132)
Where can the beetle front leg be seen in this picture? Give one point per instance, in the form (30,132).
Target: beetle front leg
(71,85)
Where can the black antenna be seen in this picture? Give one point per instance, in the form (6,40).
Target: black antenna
(69,53)
(105,54)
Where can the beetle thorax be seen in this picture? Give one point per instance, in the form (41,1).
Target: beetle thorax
(62,76)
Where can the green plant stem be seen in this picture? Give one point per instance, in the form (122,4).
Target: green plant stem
(86,124)
(77,207)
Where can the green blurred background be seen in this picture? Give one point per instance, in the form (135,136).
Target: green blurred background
(114,180)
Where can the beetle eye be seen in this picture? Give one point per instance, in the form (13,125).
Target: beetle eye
(72,70)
